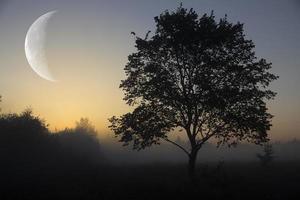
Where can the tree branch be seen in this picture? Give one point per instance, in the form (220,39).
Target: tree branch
(209,135)
(179,146)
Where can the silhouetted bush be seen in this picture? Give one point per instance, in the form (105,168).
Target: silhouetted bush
(22,136)
(81,141)
(34,160)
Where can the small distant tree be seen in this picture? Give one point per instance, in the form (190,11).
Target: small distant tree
(199,75)
(84,126)
(81,140)
(268,155)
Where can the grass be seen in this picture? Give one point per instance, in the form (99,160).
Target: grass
(231,180)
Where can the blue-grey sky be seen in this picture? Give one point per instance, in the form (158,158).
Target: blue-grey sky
(89,41)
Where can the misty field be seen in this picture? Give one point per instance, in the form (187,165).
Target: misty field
(74,164)
(150,181)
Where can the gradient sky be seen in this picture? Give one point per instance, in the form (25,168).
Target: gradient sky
(88,43)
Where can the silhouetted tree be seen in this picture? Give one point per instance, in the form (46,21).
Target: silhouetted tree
(268,155)
(33,159)
(81,141)
(84,126)
(22,128)
(24,139)
(200,75)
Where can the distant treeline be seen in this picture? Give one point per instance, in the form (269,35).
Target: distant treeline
(26,138)
(33,157)
(36,163)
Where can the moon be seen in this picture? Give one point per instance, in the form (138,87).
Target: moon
(35,41)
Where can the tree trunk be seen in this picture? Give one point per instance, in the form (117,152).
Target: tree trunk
(192,165)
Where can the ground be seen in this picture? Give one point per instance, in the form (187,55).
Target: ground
(231,180)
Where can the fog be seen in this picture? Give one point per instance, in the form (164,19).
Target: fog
(168,153)
(26,135)
(74,163)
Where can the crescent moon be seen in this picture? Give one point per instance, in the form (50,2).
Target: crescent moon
(35,46)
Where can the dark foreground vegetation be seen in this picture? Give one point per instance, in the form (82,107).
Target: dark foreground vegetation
(152,181)
(69,164)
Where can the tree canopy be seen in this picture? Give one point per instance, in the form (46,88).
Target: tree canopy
(198,74)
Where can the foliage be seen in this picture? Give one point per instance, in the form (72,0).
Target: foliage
(36,162)
(26,145)
(80,141)
(198,74)
(84,126)
(22,128)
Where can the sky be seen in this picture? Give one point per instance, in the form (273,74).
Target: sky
(88,42)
